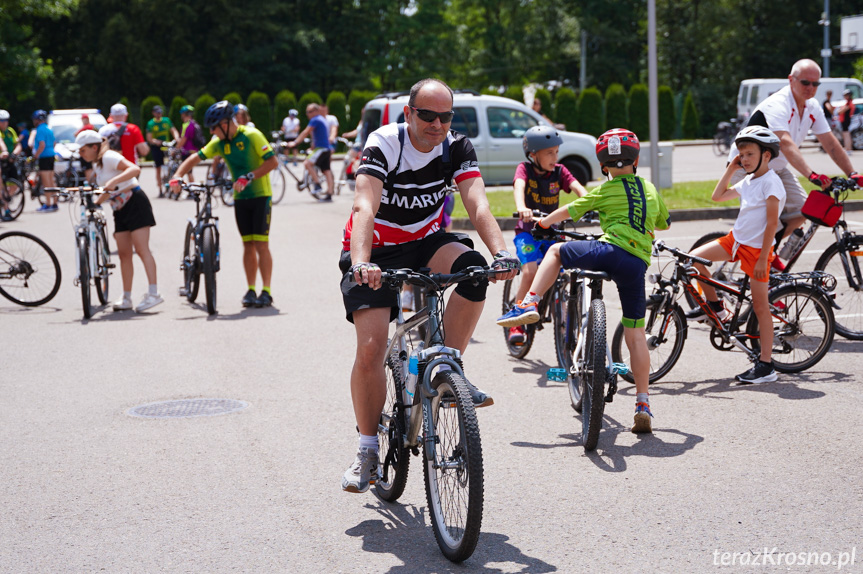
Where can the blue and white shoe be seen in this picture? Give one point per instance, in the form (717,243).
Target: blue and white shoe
(520,314)
(44,209)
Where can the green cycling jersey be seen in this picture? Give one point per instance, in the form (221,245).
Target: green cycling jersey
(246,151)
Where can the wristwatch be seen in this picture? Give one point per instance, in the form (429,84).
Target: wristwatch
(502,254)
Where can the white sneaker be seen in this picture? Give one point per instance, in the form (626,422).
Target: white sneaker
(407,300)
(122,304)
(148,301)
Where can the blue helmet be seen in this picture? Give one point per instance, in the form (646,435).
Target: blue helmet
(217,113)
(240,108)
(40,115)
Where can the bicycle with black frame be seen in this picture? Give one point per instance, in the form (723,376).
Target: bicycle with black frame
(29,271)
(201,253)
(432,408)
(11,191)
(724,136)
(800,305)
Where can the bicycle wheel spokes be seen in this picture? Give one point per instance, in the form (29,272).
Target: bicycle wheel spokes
(454,475)
(29,270)
(394,456)
(849,316)
(665,329)
(13,197)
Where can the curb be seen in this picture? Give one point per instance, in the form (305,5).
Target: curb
(702,214)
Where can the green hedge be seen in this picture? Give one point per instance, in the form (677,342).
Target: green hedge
(337,104)
(566,109)
(177,103)
(691,125)
(234,98)
(639,111)
(202,104)
(285,101)
(590,116)
(147,111)
(357,100)
(514,93)
(615,107)
(259,112)
(305,100)
(544,96)
(667,120)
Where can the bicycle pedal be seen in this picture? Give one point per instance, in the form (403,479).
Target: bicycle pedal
(556,374)
(620,369)
(110,266)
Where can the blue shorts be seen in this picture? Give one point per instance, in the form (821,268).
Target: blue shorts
(529,249)
(625,269)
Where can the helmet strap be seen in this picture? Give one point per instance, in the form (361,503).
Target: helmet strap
(760,160)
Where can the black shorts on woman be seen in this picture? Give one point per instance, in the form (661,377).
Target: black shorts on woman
(137,213)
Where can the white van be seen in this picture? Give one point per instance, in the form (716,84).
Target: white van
(753,92)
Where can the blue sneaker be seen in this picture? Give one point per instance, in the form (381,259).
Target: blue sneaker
(55,207)
(642,423)
(520,314)
(44,209)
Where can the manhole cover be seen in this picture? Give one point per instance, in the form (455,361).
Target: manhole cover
(186,408)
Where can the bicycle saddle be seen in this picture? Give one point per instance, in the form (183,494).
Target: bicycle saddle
(592,274)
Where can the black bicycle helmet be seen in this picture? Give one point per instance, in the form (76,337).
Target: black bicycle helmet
(538,138)
(761,136)
(217,113)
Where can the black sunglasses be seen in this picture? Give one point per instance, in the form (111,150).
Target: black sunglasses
(429,116)
(807,83)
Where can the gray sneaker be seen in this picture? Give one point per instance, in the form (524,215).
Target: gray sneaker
(363,473)
(480,399)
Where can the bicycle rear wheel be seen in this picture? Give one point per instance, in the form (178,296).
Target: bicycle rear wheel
(279,183)
(13,197)
(191,265)
(573,332)
(394,456)
(593,376)
(29,270)
(209,251)
(517,351)
(848,293)
(665,329)
(454,470)
(84,275)
(803,327)
(103,262)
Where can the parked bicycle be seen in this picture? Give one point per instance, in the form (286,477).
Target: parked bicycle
(432,407)
(841,259)
(803,322)
(11,198)
(201,252)
(219,175)
(173,159)
(724,136)
(92,254)
(29,270)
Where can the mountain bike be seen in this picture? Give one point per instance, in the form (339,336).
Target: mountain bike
(841,260)
(803,322)
(29,270)
(92,254)
(201,252)
(552,306)
(437,413)
(11,197)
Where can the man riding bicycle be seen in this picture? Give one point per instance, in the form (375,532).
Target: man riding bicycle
(250,160)
(320,131)
(790,113)
(395,223)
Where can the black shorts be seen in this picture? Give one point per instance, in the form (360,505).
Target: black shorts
(46,163)
(158,155)
(9,170)
(137,213)
(413,255)
(253,218)
(846,123)
(321,158)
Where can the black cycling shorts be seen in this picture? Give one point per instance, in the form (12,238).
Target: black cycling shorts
(158,155)
(413,255)
(46,163)
(137,213)
(253,218)
(321,158)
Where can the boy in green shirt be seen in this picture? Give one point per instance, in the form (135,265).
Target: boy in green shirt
(629,210)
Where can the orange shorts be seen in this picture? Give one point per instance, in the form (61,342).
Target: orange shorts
(748,256)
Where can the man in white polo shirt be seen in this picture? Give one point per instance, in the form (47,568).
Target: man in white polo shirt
(790,113)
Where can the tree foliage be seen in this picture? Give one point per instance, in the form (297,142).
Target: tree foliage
(639,111)
(691,125)
(259,112)
(591,120)
(667,117)
(566,106)
(174,113)
(337,103)
(285,101)
(615,107)
(203,102)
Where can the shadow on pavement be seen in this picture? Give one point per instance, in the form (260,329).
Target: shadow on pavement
(243,314)
(402,531)
(784,388)
(843,345)
(539,369)
(29,310)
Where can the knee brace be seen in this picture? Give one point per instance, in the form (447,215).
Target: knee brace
(467,289)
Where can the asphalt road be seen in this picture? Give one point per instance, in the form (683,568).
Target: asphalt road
(86,487)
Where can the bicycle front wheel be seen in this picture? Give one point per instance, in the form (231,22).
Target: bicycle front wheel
(13,197)
(573,332)
(103,262)
(665,329)
(394,455)
(803,327)
(84,275)
(848,293)
(593,376)
(209,254)
(278,184)
(29,270)
(519,351)
(191,269)
(453,468)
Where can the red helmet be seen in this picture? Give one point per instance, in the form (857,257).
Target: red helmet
(617,147)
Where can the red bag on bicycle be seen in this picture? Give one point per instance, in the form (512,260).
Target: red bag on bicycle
(821,208)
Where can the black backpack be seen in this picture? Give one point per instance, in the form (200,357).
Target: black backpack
(115,138)
(199,139)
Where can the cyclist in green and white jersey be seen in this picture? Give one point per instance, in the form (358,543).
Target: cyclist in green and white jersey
(250,160)
(160,130)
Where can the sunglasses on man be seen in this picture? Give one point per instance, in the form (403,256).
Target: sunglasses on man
(807,83)
(429,116)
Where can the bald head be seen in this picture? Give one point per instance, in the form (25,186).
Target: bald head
(429,85)
(804,66)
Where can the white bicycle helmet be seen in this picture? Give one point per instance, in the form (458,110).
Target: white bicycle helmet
(761,136)
(4,115)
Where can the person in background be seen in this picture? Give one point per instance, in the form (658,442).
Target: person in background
(160,130)
(85,125)
(241,112)
(24,139)
(131,140)
(537,107)
(188,136)
(845,112)
(42,144)
(290,131)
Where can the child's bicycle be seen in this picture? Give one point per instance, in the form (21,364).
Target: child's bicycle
(432,408)
(841,260)
(803,322)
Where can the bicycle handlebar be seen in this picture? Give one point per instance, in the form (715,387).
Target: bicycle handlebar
(437,281)
(589,218)
(200,187)
(681,256)
(840,184)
